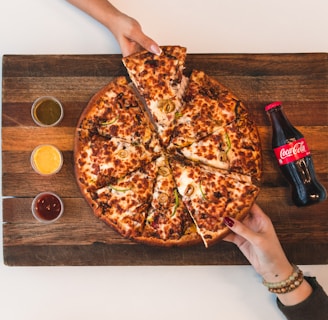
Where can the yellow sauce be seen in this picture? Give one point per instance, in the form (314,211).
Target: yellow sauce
(46,159)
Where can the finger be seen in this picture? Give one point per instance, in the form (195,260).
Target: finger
(147,43)
(150,45)
(129,46)
(154,48)
(240,229)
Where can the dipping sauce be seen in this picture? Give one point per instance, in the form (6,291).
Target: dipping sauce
(47,207)
(47,111)
(46,159)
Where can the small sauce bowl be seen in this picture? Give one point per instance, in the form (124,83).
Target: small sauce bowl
(47,207)
(46,159)
(47,111)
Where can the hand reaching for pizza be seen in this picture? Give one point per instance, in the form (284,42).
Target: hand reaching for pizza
(126,30)
(258,241)
(130,36)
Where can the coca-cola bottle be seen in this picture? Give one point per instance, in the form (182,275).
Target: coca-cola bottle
(294,158)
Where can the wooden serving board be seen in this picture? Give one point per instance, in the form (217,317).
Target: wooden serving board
(78,238)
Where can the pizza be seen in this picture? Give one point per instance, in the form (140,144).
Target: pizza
(168,220)
(163,158)
(205,190)
(113,137)
(161,82)
(208,107)
(234,147)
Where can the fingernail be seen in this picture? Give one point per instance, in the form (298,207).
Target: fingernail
(228,222)
(155,49)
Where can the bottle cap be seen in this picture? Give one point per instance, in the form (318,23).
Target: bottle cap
(272,105)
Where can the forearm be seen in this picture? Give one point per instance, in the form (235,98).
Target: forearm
(296,296)
(315,306)
(101,10)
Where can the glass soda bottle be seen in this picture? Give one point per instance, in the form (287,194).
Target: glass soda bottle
(294,158)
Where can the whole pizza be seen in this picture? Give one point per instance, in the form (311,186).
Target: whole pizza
(164,159)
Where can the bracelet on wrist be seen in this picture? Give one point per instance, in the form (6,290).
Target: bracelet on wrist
(288,285)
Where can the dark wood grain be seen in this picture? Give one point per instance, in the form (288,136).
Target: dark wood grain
(78,238)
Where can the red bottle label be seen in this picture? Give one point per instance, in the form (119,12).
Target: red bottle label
(291,151)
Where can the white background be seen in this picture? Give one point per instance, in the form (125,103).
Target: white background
(195,292)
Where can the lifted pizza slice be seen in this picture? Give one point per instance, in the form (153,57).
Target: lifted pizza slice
(160,81)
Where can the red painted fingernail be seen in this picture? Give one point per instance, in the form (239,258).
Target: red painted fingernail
(228,221)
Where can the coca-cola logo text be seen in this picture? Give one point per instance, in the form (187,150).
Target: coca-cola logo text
(292,151)
(298,148)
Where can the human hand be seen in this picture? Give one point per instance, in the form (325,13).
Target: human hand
(258,241)
(130,36)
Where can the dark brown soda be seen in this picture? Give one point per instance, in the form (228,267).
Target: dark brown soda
(300,173)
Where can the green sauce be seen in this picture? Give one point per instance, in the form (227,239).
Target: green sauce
(47,112)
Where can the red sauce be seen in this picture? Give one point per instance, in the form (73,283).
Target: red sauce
(48,207)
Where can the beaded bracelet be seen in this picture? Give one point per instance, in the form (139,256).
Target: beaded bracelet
(288,285)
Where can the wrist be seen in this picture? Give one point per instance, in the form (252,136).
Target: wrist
(278,272)
(289,284)
(291,289)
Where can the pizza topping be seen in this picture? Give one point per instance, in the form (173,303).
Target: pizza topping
(119,189)
(202,192)
(222,156)
(177,202)
(164,171)
(166,105)
(228,142)
(163,198)
(189,190)
(123,153)
(106,123)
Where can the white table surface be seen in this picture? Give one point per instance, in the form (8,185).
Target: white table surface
(194,292)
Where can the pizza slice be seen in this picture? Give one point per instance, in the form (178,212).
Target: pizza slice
(116,111)
(168,221)
(235,147)
(123,204)
(100,160)
(208,106)
(160,81)
(211,195)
